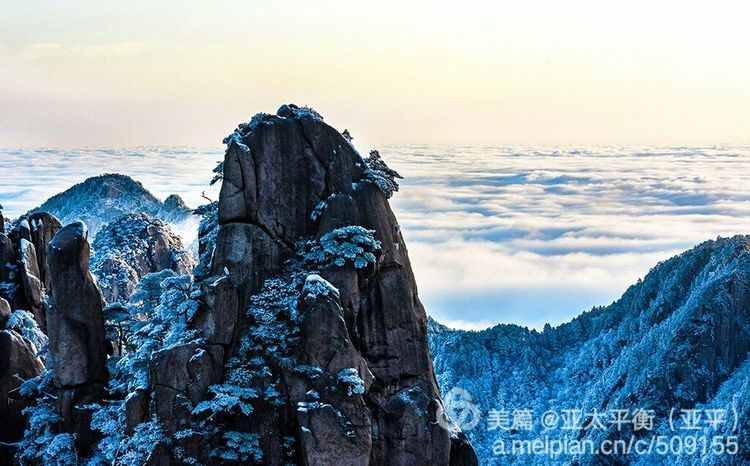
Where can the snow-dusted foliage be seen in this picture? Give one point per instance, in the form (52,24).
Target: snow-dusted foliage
(354,244)
(249,381)
(669,342)
(117,447)
(130,247)
(160,310)
(235,138)
(157,318)
(136,448)
(239,447)
(23,323)
(42,442)
(218,173)
(377,172)
(269,341)
(350,378)
(316,286)
(109,420)
(318,211)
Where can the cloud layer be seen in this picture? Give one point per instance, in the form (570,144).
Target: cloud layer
(496,234)
(528,235)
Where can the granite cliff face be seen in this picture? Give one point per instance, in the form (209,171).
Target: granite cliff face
(313,304)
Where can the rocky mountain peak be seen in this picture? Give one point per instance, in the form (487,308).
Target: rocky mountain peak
(102,199)
(310,278)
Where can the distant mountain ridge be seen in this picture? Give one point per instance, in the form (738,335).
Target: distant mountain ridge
(102,199)
(679,339)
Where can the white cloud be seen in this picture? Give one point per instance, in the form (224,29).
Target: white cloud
(511,234)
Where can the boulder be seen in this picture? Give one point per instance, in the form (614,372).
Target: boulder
(21,230)
(136,409)
(8,268)
(7,258)
(18,362)
(325,338)
(24,275)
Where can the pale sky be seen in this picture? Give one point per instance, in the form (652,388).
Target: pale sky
(100,73)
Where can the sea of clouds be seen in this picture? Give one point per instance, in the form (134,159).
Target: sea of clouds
(496,234)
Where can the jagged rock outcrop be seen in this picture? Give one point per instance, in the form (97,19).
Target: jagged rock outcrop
(44,227)
(28,273)
(76,329)
(132,246)
(349,372)
(24,275)
(102,199)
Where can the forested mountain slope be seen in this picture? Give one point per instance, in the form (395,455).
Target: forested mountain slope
(676,340)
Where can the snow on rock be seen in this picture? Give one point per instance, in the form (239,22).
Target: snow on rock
(316,286)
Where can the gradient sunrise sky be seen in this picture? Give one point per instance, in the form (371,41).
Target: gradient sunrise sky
(97,73)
